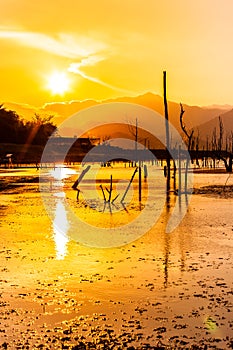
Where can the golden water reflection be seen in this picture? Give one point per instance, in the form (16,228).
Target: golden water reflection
(61,172)
(61,222)
(60,229)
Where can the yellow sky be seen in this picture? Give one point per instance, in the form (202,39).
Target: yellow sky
(111,48)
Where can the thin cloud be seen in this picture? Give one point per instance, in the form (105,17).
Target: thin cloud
(64,45)
(84,49)
(76,69)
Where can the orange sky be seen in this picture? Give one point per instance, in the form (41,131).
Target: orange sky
(111,48)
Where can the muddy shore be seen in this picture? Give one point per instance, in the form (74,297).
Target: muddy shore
(162,291)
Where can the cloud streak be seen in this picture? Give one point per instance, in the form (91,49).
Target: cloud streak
(63,45)
(76,69)
(85,50)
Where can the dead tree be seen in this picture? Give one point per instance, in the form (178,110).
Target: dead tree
(133,129)
(188,135)
(105,139)
(218,151)
(196,147)
(188,140)
(214,145)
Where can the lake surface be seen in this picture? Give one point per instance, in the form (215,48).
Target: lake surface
(63,283)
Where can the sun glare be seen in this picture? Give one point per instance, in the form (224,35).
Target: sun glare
(58,83)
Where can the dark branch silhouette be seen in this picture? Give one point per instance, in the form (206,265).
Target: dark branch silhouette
(189,135)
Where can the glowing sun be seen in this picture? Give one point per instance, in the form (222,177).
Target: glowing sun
(58,83)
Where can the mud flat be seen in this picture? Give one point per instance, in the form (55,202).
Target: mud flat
(162,291)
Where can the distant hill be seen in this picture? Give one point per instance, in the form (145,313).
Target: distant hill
(206,129)
(222,107)
(194,116)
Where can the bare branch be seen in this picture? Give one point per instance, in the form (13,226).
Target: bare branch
(183,127)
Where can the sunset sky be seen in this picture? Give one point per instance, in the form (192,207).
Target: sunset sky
(73,50)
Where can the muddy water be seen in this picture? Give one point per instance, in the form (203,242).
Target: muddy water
(171,289)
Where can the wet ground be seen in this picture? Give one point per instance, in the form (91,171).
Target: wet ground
(161,291)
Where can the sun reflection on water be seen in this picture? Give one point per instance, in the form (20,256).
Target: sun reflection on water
(61,172)
(60,222)
(60,229)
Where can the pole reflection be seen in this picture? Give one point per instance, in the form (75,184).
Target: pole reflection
(171,198)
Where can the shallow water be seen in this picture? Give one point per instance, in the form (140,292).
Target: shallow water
(176,287)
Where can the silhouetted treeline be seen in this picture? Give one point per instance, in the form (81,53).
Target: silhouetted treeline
(14,129)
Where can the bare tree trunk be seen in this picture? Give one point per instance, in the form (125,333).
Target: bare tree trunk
(217,148)
(189,137)
(136,135)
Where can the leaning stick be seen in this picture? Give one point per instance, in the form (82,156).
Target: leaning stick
(103,192)
(115,198)
(77,182)
(127,189)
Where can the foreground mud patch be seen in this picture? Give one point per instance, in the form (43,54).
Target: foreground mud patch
(215,191)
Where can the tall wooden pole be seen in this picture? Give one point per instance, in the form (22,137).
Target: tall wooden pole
(136,135)
(167,127)
(127,189)
(136,143)
(179,166)
(140,184)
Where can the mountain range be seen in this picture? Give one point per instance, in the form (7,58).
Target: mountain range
(202,119)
